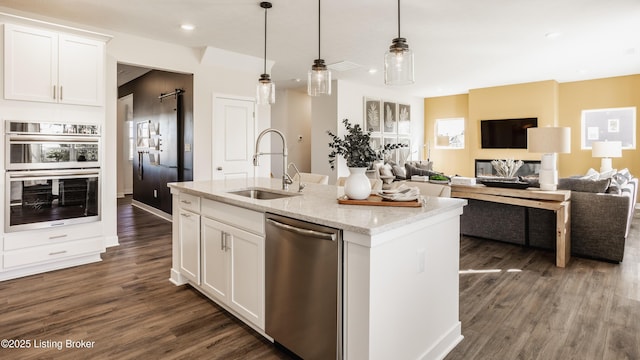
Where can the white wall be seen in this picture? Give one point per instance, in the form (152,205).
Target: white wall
(291,114)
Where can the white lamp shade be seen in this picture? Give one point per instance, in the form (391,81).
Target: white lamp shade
(319,82)
(398,67)
(549,140)
(606,149)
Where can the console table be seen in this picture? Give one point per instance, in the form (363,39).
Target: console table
(558,201)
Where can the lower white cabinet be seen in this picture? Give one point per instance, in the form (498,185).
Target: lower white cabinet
(189,239)
(219,250)
(233,268)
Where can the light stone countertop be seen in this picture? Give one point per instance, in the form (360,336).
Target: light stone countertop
(318,204)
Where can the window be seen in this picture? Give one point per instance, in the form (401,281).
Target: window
(615,124)
(449,133)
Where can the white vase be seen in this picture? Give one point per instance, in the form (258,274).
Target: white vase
(357,186)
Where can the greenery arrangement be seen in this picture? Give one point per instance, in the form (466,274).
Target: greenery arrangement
(355,147)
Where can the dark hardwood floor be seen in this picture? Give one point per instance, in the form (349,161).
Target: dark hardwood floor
(514,304)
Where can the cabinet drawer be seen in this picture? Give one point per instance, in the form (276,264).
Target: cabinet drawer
(51,252)
(189,202)
(27,239)
(233,215)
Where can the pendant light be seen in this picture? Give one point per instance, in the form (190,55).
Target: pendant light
(266,93)
(319,79)
(398,61)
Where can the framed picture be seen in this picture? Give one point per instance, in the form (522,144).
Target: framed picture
(614,124)
(390,140)
(375,142)
(390,120)
(142,138)
(372,115)
(449,133)
(404,119)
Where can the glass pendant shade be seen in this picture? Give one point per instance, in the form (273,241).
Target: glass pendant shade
(398,61)
(266,90)
(398,64)
(319,79)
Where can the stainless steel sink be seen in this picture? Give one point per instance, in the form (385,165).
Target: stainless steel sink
(262,194)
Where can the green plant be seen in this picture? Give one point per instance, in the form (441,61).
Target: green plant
(355,147)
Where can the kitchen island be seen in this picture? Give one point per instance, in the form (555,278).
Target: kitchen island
(400,265)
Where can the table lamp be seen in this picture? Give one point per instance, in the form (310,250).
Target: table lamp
(606,150)
(549,141)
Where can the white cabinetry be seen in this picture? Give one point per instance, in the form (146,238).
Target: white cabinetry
(220,251)
(189,224)
(47,66)
(32,252)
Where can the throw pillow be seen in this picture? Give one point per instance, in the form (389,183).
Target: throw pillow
(399,172)
(607,174)
(386,170)
(584,185)
(591,174)
(412,170)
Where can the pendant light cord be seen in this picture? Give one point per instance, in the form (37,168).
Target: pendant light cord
(265,41)
(398,18)
(319,16)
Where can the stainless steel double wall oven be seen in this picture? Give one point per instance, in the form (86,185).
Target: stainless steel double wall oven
(52,174)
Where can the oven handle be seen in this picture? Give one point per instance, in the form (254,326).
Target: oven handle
(52,138)
(51,173)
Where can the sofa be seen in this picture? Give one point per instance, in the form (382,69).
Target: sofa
(601,213)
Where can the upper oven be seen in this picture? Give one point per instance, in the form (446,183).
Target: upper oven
(41,145)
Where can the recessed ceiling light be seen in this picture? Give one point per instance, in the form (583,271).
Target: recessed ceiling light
(187,27)
(552,35)
(373,71)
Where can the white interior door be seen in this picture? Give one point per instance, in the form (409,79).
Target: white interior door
(233,136)
(125,145)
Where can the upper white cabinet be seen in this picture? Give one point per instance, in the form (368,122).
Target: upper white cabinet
(46,66)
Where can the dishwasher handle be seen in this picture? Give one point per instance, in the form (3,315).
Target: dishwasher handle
(305,232)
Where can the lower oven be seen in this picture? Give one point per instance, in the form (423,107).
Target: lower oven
(47,198)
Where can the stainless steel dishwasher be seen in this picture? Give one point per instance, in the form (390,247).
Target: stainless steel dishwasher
(303,283)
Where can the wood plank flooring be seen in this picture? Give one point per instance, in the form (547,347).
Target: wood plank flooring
(525,309)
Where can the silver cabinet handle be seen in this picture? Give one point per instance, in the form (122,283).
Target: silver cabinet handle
(222,240)
(57,237)
(60,92)
(304,232)
(185,215)
(186,202)
(58,252)
(54,92)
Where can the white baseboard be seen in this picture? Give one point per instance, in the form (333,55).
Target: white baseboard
(151,209)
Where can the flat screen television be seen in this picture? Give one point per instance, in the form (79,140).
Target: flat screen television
(505,133)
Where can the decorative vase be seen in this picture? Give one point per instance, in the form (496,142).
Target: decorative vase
(357,186)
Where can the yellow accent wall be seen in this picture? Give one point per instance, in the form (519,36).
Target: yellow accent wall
(553,103)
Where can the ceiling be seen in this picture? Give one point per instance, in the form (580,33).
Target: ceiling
(459,45)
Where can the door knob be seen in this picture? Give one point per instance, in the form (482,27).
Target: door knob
(219,168)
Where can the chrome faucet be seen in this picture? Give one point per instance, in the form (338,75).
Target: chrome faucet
(301,185)
(286,179)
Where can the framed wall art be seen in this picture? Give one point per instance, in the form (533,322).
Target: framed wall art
(372,115)
(614,124)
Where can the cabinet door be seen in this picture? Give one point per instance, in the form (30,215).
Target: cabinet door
(30,64)
(215,260)
(81,71)
(189,230)
(247,275)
